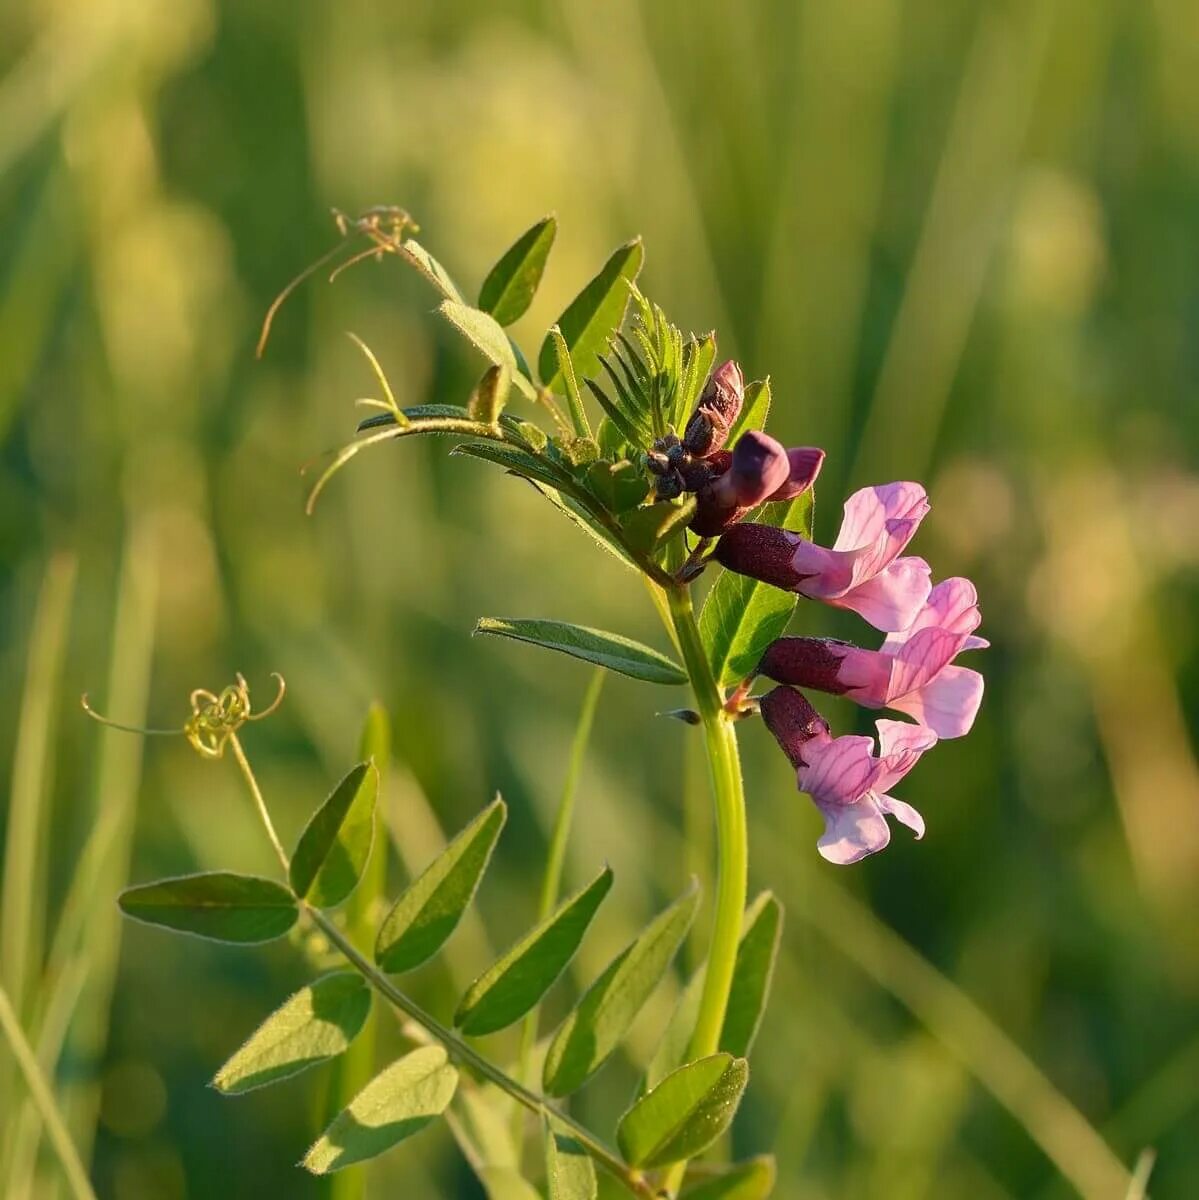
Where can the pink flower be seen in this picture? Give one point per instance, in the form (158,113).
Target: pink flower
(848,783)
(759,470)
(913,670)
(862,571)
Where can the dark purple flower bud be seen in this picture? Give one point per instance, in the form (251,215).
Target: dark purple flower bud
(697,473)
(759,467)
(719,406)
(805,462)
(793,721)
(822,663)
(670,486)
(657,462)
(761,552)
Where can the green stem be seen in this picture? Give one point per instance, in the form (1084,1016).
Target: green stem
(731,839)
(39,1089)
(551,883)
(454,1045)
(467,1054)
(259,802)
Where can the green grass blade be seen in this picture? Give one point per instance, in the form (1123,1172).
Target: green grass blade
(43,1097)
(22,903)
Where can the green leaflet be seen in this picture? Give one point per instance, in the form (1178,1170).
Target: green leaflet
(336,843)
(316,1024)
(415,414)
(592,1031)
(519,978)
(490,395)
(417,256)
(510,285)
(749,1180)
(569,1170)
(685,1113)
(577,515)
(566,368)
(742,616)
(739,619)
(429,911)
(698,356)
(217,904)
(593,316)
(648,527)
(512,458)
(400,1101)
(619,486)
(754,411)
(487,336)
(592,645)
(752,973)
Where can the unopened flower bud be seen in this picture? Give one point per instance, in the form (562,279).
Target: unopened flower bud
(793,721)
(670,486)
(657,462)
(719,406)
(759,467)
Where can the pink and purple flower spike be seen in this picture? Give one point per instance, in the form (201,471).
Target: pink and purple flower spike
(866,571)
(848,782)
(912,672)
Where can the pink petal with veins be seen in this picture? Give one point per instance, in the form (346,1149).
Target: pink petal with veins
(947,704)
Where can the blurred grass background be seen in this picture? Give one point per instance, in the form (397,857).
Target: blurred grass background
(963,241)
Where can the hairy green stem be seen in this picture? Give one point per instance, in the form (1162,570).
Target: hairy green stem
(460,1050)
(732,852)
(43,1098)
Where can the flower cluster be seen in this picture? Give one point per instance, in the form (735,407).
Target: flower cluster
(866,571)
(728,484)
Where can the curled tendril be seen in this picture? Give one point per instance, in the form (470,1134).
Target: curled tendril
(384,226)
(214,719)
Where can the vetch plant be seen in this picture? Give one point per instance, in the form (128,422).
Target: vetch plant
(660,456)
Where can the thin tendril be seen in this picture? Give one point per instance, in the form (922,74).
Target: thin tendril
(91,712)
(278,301)
(214,720)
(375,251)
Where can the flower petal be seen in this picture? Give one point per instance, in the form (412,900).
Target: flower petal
(882,514)
(805,463)
(889,600)
(946,704)
(900,745)
(905,814)
(919,659)
(852,831)
(838,770)
(951,605)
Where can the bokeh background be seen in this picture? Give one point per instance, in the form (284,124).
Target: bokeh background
(961,238)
